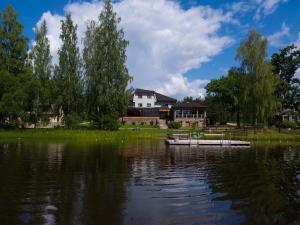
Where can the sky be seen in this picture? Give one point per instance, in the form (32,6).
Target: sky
(175,46)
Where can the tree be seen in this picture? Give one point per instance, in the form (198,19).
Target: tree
(68,79)
(13,69)
(260,97)
(13,45)
(106,72)
(228,93)
(285,64)
(42,67)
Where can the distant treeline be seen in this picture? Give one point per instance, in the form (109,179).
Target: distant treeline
(89,86)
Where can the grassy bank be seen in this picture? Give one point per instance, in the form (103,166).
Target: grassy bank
(82,135)
(132,134)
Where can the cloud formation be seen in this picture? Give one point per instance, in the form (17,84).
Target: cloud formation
(166,41)
(266,7)
(277,39)
(261,8)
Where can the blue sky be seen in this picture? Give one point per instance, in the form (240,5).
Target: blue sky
(176,46)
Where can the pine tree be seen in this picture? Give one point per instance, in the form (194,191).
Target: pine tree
(68,77)
(42,67)
(106,72)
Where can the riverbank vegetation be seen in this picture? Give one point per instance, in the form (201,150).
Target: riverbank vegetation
(83,135)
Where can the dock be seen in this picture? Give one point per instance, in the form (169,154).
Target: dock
(198,138)
(207,142)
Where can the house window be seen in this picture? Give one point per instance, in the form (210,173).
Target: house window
(149,96)
(140,96)
(140,105)
(148,104)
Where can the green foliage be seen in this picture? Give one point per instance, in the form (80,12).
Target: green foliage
(248,92)
(106,122)
(288,124)
(71,120)
(16,79)
(68,81)
(42,68)
(285,64)
(228,93)
(13,44)
(106,73)
(174,125)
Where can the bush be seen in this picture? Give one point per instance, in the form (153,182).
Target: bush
(71,120)
(288,124)
(151,123)
(174,125)
(142,123)
(133,123)
(106,122)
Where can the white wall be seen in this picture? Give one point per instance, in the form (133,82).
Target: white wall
(144,101)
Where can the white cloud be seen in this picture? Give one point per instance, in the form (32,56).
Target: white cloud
(276,39)
(184,87)
(266,7)
(165,40)
(241,7)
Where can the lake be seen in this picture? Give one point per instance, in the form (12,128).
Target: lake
(147,183)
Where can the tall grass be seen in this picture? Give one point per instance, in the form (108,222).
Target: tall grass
(82,135)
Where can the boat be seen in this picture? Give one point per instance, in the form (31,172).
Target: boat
(197,138)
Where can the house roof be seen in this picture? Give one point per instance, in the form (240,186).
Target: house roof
(159,97)
(189,105)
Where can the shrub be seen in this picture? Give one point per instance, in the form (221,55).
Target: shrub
(151,123)
(133,123)
(142,123)
(288,124)
(174,125)
(106,122)
(72,120)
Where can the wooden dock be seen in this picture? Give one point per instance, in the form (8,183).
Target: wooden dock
(207,142)
(188,137)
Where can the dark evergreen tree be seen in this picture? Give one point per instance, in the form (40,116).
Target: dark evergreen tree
(68,80)
(106,72)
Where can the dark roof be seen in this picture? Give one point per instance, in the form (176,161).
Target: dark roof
(189,105)
(163,98)
(143,92)
(159,97)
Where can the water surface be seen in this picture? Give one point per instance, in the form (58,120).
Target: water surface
(147,183)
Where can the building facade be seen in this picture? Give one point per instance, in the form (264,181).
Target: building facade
(150,107)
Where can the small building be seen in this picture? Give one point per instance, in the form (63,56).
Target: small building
(189,113)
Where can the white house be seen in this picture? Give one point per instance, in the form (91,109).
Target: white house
(151,99)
